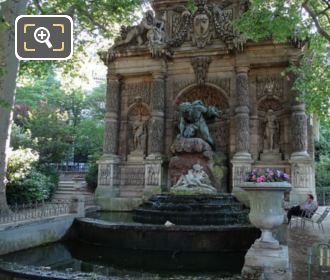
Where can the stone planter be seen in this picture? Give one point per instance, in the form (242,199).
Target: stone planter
(266,259)
(266,210)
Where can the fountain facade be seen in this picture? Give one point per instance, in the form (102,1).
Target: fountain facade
(179,56)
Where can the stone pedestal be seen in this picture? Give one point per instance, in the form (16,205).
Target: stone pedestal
(302,179)
(137,156)
(267,264)
(240,169)
(154,178)
(271,155)
(108,181)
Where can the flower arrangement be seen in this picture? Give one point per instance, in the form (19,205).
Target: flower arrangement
(267,175)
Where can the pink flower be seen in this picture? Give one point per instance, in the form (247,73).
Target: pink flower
(261,179)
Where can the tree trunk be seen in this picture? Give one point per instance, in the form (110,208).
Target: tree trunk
(9,10)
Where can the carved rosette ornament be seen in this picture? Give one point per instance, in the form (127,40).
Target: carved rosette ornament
(201,68)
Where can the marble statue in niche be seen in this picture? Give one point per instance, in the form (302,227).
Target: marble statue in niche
(271,138)
(139,134)
(138,120)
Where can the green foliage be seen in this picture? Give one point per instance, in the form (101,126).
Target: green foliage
(95,103)
(89,137)
(322,175)
(192,6)
(280,20)
(96,20)
(36,187)
(57,123)
(322,156)
(28,182)
(314,77)
(21,138)
(20,164)
(92,174)
(51,131)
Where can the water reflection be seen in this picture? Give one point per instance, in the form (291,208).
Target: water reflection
(129,264)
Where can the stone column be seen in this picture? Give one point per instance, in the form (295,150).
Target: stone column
(109,165)
(154,172)
(111,135)
(242,118)
(302,170)
(156,141)
(242,160)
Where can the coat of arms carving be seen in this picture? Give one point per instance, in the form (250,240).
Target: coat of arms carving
(202,25)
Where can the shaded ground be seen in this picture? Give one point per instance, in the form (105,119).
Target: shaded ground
(299,240)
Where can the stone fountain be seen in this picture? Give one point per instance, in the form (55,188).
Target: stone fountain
(193,198)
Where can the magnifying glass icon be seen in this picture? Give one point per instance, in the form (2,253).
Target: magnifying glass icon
(41,35)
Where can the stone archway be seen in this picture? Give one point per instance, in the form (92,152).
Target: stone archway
(211,95)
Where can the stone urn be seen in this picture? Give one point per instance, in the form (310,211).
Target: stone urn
(266,210)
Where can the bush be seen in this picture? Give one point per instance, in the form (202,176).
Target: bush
(26,184)
(20,164)
(322,174)
(36,187)
(92,174)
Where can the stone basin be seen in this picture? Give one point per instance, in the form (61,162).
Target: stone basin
(179,238)
(222,209)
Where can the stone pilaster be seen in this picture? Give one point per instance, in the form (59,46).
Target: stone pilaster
(302,170)
(156,139)
(111,135)
(108,187)
(242,115)
(154,172)
(299,132)
(242,161)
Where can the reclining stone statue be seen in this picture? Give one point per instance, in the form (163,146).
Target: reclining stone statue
(196,178)
(150,29)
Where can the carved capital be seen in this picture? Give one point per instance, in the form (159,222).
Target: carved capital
(161,75)
(242,69)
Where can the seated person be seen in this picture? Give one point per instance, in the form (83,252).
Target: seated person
(305,209)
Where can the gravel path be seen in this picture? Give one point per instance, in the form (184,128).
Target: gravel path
(299,240)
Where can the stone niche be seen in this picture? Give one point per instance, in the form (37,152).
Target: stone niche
(175,55)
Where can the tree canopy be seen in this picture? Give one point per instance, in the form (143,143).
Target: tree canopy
(307,21)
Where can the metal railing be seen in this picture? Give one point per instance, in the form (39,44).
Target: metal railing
(323,196)
(71,166)
(37,211)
